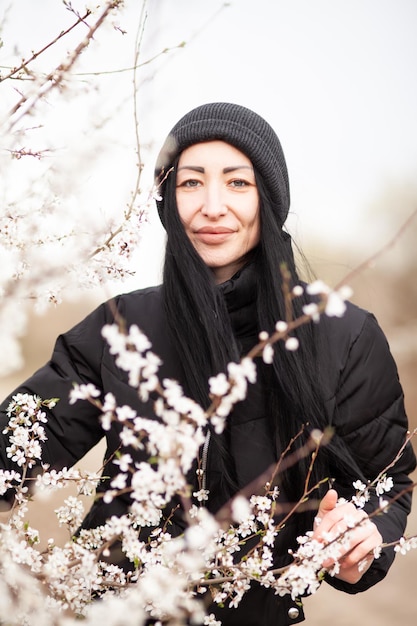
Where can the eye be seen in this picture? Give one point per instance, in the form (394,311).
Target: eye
(239,183)
(189,183)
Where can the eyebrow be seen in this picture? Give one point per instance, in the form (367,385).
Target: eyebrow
(226,170)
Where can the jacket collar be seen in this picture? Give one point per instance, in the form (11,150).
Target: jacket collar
(240,295)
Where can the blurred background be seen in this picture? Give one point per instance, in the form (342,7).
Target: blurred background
(337,81)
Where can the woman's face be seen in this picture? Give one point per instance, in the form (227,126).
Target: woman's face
(218,204)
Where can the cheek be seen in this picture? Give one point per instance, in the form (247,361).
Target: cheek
(187,205)
(254,211)
(256,232)
(183,209)
(255,225)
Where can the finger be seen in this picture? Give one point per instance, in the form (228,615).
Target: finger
(327,505)
(353,573)
(338,520)
(356,555)
(363,542)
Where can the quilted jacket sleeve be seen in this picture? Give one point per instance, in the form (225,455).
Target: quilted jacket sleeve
(71,430)
(370,417)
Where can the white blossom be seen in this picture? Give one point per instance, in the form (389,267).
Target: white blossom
(312,310)
(124,461)
(83,392)
(219,385)
(281,326)
(405,545)
(335,300)
(268,354)
(8,479)
(71,513)
(359,485)
(383,504)
(201,495)
(335,306)
(241,509)
(298,290)
(292,344)
(384,485)
(210,620)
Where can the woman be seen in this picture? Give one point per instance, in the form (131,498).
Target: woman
(224,198)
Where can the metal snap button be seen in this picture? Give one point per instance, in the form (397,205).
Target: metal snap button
(293,612)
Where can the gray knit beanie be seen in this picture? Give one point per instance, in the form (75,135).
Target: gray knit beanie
(239,127)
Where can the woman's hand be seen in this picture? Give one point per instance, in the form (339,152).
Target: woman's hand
(357,557)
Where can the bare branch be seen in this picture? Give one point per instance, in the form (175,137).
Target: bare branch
(35,55)
(56,76)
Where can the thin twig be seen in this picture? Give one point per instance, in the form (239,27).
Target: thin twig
(24,64)
(56,76)
(135,67)
(371,260)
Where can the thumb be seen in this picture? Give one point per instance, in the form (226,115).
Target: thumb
(327,504)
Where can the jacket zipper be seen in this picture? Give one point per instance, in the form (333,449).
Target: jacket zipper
(204,456)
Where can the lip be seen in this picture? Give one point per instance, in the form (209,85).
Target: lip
(213,234)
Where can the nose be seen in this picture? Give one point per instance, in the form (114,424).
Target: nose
(214,204)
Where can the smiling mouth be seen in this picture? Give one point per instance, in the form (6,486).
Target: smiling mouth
(213,235)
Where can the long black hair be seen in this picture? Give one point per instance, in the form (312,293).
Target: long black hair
(202,336)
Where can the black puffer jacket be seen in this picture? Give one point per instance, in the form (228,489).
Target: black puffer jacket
(363,397)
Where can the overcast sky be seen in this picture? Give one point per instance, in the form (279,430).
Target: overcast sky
(336,79)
